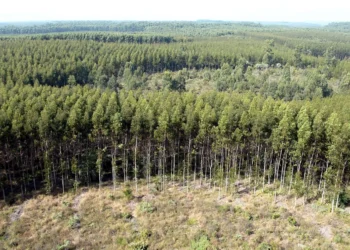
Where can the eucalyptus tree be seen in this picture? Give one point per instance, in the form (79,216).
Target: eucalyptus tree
(100,131)
(335,156)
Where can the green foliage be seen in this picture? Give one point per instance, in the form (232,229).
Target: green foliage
(248,216)
(265,246)
(65,246)
(66,204)
(146,207)
(292,221)
(127,216)
(74,221)
(191,222)
(224,208)
(140,241)
(338,239)
(299,186)
(138,245)
(71,80)
(202,243)
(129,60)
(237,209)
(344,198)
(276,216)
(112,197)
(122,242)
(249,231)
(128,193)
(68,136)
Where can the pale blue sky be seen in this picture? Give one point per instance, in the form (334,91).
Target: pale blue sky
(242,10)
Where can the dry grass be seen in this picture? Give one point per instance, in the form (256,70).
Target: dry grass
(174,219)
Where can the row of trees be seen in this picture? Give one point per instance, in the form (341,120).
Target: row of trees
(315,41)
(61,138)
(102,37)
(191,28)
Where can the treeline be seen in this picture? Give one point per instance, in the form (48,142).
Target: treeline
(102,37)
(52,62)
(76,26)
(313,42)
(128,26)
(341,26)
(62,138)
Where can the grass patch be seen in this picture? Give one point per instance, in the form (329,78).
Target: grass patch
(191,222)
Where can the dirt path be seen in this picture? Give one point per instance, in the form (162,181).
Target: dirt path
(77,199)
(326,231)
(17,213)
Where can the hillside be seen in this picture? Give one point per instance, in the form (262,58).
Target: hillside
(177,218)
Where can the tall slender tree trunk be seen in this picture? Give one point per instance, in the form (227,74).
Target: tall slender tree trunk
(135,166)
(125,157)
(114,170)
(99,165)
(32,167)
(300,161)
(3,193)
(188,163)
(210,172)
(148,164)
(277,167)
(164,163)
(264,175)
(291,179)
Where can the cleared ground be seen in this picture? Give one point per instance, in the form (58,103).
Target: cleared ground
(173,219)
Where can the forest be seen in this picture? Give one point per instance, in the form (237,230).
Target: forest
(89,102)
(174,135)
(71,136)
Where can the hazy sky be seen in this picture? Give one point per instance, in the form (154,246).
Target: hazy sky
(241,10)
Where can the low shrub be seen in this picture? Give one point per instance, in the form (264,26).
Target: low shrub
(126,216)
(292,221)
(140,242)
(275,216)
(191,222)
(146,207)
(338,239)
(122,242)
(128,193)
(65,246)
(201,243)
(224,208)
(74,221)
(344,198)
(264,246)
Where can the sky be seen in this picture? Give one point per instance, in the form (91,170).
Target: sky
(230,10)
